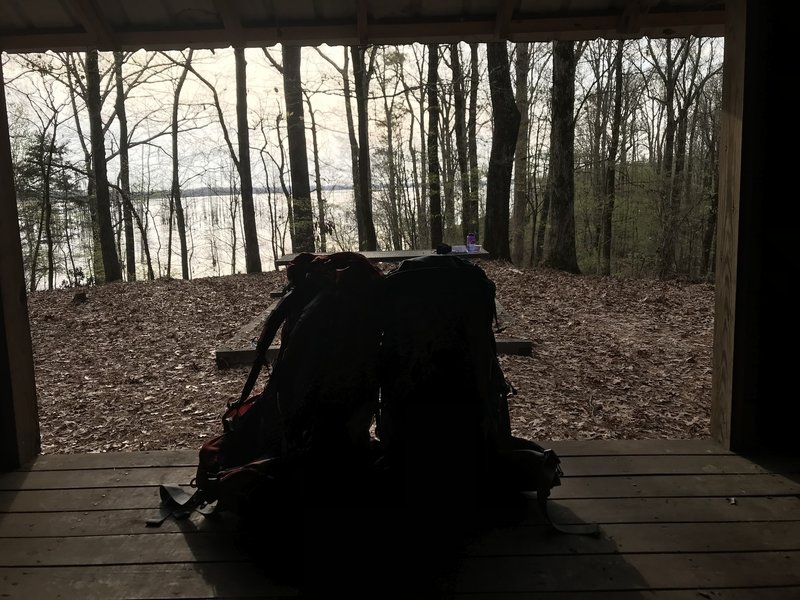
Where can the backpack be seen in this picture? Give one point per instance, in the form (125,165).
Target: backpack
(317,407)
(415,351)
(443,419)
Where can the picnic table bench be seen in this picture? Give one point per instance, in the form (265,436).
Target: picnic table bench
(397,255)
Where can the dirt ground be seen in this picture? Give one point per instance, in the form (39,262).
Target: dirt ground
(132,367)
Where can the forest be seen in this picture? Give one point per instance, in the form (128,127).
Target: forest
(596,157)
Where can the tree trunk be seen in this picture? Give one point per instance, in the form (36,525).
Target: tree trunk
(395,233)
(321,224)
(348,109)
(665,257)
(351,130)
(447,175)
(471,208)
(177,202)
(111,265)
(710,187)
(611,167)
(48,207)
(367,240)
(460,109)
(559,250)
(252,253)
(73,79)
(521,200)
(303,238)
(506,119)
(124,169)
(432,145)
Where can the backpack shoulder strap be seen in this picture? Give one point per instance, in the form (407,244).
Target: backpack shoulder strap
(268,332)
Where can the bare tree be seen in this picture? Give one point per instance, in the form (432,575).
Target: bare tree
(367,240)
(124,168)
(559,250)
(176,202)
(344,72)
(433,145)
(111,267)
(252,254)
(471,205)
(521,68)
(321,219)
(501,160)
(303,236)
(611,166)
(460,129)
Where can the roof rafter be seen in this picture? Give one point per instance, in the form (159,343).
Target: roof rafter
(231,21)
(521,28)
(505,10)
(631,18)
(94,22)
(362,22)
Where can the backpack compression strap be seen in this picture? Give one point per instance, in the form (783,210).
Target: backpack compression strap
(542,468)
(178,503)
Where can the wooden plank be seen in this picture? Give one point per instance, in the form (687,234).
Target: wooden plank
(95,478)
(603,511)
(167,548)
(240,349)
(514,346)
(654,447)
(231,357)
(188,458)
(613,572)
(670,510)
(239,357)
(662,486)
(226,359)
(79,500)
(565,449)
(749,593)
(114,460)
(596,466)
(642,537)
(105,522)
(656,486)
(193,580)
(392,255)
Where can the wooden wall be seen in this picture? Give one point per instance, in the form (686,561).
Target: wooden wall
(753,404)
(19,419)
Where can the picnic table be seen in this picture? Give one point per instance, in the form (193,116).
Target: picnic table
(397,255)
(240,349)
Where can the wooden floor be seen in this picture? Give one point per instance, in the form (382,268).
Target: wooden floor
(679,519)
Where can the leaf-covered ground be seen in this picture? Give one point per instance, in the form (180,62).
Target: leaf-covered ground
(132,367)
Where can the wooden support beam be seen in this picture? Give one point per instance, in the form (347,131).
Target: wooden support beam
(520,28)
(19,418)
(505,10)
(631,19)
(362,22)
(730,157)
(231,21)
(753,406)
(94,22)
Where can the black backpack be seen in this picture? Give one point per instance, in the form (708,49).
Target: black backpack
(443,420)
(310,426)
(415,351)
